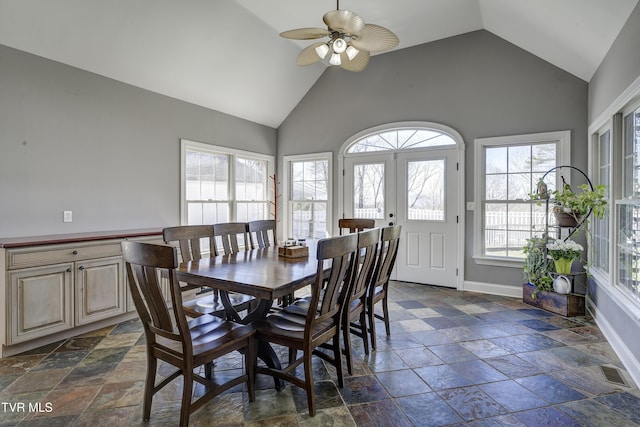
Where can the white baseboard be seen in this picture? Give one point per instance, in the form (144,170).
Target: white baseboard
(493,289)
(628,359)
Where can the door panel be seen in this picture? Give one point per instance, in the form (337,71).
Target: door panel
(416,190)
(367,180)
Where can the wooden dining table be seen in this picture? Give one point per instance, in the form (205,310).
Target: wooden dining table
(261,273)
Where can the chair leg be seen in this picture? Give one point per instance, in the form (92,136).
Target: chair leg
(250,360)
(187,391)
(346,335)
(385,312)
(208,369)
(152,365)
(364,331)
(293,354)
(338,358)
(308,382)
(372,325)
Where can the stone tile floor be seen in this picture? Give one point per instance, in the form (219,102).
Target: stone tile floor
(454,358)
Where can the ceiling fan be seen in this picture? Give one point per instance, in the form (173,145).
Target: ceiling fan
(350,40)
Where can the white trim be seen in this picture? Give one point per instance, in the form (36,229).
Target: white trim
(563,139)
(628,359)
(492,289)
(460,148)
(186,144)
(286,166)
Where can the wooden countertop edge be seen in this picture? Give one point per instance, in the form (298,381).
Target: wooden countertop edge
(19,242)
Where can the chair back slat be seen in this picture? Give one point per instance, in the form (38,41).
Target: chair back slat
(355,225)
(368,242)
(330,289)
(144,264)
(190,239)
(260,229)
(232,236)
(388,252)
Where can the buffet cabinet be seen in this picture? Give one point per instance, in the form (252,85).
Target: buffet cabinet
(55,288)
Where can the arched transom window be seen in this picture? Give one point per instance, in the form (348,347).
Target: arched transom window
(401,139)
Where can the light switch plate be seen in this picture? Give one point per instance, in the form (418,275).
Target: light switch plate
(470,206)
(67,216)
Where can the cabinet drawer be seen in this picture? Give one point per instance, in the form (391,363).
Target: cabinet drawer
(46,255)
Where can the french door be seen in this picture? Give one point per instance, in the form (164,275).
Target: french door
(417,190)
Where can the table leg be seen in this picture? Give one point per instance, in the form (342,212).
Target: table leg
(265,351)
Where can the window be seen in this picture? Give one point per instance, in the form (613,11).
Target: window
(368,190)
(600,250)
(308,194)
(221,184)
(628,209)
(507,170)
(401,139)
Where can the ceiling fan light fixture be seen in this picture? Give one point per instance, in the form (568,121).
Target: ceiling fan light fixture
(351,40)
(352,52)
(322,50)
(339,45)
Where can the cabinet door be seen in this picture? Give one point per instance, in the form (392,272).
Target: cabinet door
(41,301)
(100,291)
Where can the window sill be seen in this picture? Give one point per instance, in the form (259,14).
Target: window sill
(499,262)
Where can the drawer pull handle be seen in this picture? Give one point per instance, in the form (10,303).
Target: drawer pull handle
(81,267)
(74,253)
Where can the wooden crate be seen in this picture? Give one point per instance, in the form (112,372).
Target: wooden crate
(565,305)
(293,251)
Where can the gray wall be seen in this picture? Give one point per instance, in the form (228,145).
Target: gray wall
(476,83)
(109,152)
(620,67)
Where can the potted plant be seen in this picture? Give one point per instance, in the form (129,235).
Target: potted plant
(537,265)
(571,206)
(563,253)
(539,291)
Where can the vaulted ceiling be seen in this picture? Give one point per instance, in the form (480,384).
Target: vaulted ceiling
(227,55)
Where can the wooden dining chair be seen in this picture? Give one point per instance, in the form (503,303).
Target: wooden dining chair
(319,326)
(261,230)
(231,237)
(355,225)
(378,290)
(172,338)
(189,239)
(355,307)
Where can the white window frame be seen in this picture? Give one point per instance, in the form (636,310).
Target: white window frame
(188,145)
(595,168)
(286,187)
(563,139)
(623,103)
(622,197)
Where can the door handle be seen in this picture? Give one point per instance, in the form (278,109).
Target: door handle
(391,223)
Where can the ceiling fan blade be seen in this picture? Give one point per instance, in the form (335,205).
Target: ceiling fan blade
(358,63)
(308,55)
(344,21)
(375,38)
(305,33)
